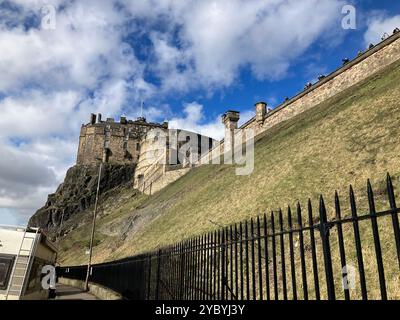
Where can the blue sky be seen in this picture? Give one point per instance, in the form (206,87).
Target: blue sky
(189,61)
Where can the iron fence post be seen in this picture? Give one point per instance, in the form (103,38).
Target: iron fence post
(395,218)
(223,265)
(158,274)
(182,271)
(149,277)
(326,248)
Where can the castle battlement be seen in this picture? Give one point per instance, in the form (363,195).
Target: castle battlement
(112,141)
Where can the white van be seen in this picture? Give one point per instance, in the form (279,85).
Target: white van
(23,253)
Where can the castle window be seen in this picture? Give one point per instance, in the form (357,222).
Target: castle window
(125,145)
(137,146)
(108,131)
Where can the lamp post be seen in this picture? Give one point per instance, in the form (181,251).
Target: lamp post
(93,226)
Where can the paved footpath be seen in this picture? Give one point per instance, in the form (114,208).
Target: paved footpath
(70,293)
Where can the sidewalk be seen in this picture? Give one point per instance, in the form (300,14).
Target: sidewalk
(64,292)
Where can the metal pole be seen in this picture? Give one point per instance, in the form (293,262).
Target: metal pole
(93,229)
(60,226)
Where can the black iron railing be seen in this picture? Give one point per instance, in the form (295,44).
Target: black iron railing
(270,257)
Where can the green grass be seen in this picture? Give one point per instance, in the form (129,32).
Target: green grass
(344,140)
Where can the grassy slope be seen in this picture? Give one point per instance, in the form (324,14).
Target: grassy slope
(345,140)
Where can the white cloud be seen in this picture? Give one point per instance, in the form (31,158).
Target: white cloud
(193,120)
(34,114)
(201,44)
(84,48)
(29,172)
(217,39)
(24,178)
(379,25)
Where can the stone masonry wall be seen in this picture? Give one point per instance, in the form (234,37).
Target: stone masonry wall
(91,144)
(360,69)
(121,139)
(153,160)
(364,66)
(164,180)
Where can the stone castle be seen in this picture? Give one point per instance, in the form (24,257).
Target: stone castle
(135,142)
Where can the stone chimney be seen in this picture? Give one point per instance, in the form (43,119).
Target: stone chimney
(92,118)
(99,118)
(261,111)
(230,119)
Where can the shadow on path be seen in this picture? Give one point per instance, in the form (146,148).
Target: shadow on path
(64,292)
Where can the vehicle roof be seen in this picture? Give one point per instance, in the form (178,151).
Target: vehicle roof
(44,237)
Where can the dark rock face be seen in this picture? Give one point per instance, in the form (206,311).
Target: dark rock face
(78,192)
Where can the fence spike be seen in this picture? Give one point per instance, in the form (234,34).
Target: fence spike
(282,249)
(236,263)
(191,268)
(246,231)
(395,218)
(158,275)
(204,264)
(274,264)
(227,262)
(149,276)
(259,238)
(200,272)
(267,283)
(215,245)
(253,265)
(377,242)
(302,256)
(357,240)
(219,266)
(353,201)
(241,262)
(292,258)
(342,251)
(231,260)
(324,231)
(337,205)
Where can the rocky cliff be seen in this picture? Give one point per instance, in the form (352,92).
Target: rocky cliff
(78,192)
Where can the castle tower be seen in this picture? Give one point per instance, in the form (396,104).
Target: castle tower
(112,141)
